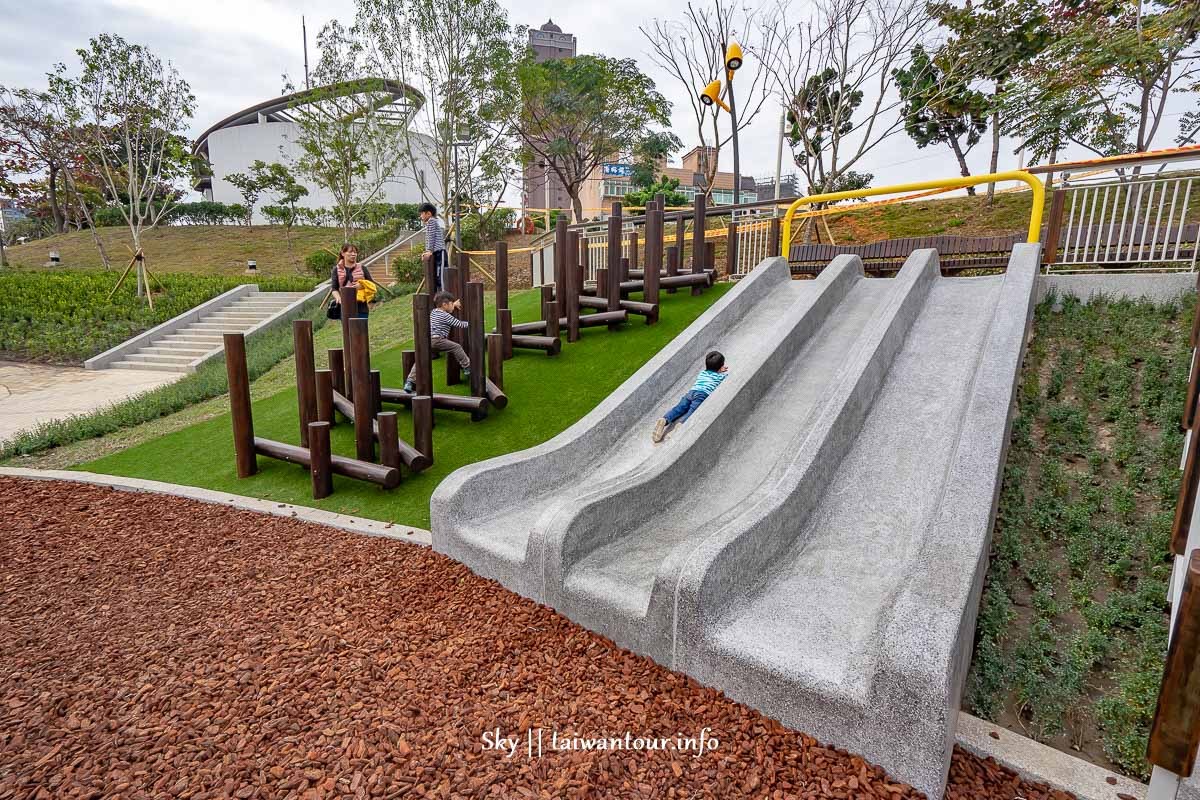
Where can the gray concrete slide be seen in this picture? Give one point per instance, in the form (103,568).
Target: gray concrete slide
(813,540)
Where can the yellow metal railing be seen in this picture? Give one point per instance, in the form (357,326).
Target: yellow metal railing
(1035,215)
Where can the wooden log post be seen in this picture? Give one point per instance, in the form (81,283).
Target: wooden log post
(349,308)
(389,440)
(422,414)
(699,251)
(408,360)
(453,374)
(376,386)
(775,248)
(1054,227)
(495,348)
(654,251)
(239,404)
(424,364)
(672,265)
(552,319)
(501,280)
(560,253)
(306,379)
(680,234)
(710,257)
(324,381)
(364,400)
(574,283)
(337,369)
(548,293)
(613,262)
(731,248)
(320,466)
(504,328)
(1175,730)
(624,274)
(475,338)
(430,274)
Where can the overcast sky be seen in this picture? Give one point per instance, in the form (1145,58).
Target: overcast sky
(234,52)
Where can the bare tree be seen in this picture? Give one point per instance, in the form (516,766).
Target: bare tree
(692,51)
(836,70)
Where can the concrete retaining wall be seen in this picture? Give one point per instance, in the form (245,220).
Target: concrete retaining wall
(1158,287)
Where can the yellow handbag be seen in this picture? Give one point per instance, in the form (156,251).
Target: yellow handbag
(366,291)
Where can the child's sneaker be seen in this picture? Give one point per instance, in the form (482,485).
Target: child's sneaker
(660,430)
(409,387)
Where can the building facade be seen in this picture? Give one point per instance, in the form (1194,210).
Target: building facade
(612,181)
(542,188)
(267,132)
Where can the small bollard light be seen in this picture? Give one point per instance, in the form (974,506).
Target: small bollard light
(251,267)
(54,257)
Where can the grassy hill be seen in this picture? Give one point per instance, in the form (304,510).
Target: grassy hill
(204,249)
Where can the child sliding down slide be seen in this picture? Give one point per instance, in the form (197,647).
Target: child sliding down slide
(709,378)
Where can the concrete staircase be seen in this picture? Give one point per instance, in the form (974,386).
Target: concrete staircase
(184,349)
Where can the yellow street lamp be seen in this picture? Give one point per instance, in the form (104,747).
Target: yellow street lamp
(712,96)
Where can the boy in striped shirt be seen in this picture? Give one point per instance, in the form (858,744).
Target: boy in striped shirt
(441,321)
(709,379)
(435,243)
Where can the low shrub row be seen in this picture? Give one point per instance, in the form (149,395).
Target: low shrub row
(67,317)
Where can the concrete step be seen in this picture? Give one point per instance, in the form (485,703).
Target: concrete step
(290,296)
(234,317)
(219,327)
(206,342)
(146,365)
(157,358)
(172,349)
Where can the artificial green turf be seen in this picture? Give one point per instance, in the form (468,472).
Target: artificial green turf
(546,395)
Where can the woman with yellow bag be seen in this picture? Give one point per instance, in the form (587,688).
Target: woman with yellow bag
(348,273)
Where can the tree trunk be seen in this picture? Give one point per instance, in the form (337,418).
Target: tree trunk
(991,189)
(55,211)
(962,163)
(576,205)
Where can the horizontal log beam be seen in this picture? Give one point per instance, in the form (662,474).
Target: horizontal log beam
(387,477)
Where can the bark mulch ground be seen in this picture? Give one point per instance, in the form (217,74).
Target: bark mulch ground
(157,647)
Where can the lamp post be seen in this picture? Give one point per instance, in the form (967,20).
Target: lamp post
(457,196)
(712,96)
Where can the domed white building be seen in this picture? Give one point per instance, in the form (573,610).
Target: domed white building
(267,132)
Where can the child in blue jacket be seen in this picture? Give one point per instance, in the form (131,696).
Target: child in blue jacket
(709,379)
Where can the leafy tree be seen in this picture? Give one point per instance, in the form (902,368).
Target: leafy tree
(577,112)
(668,187)
(32,141)
(940,107)
(650,152)
(129,112)
(250,186)
(461,54)
(347,140)
(1104,81)
(994,38)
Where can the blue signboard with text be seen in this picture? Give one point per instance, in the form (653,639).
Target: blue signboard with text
(617,170)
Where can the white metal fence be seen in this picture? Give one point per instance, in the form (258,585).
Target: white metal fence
(1133,222)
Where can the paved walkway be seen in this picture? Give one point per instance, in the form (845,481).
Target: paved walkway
(32,394)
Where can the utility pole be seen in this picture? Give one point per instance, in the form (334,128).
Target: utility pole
(304,32)
(779,153)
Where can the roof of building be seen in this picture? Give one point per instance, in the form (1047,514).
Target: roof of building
(550,26)
(397,100)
